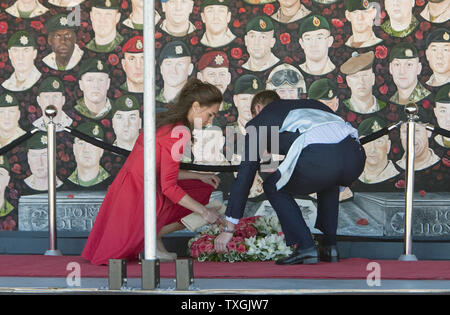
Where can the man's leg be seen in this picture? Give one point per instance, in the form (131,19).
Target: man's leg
(289,214)
(327,214)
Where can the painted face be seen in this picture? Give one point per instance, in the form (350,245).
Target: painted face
(9,118)
(95,86)
(22,58)
(216,18)
(104,21)
(442,113)
(62,42)
(86,154)
(133,65)
(287,93)
(243,103)
(405,72)
(438,56)
(362,20)
(420,137)
(259,44)
(361,83)
(37,159)
(51,98)
(177,11)
(126,125)
(316,44)
(398,9)
(219,77)
(377,151)
(175,71)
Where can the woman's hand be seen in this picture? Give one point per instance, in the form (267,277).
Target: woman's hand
(210,215)
(211,179)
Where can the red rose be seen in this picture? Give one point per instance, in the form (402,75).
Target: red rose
(231,246)
(362,221)
(3,28)
(113,59)
(337,23)
(422,193)
(37,25)
(285,38)
(194,40)
(381,52)
(241,249)
(383,89)
(268,9)
(236,53)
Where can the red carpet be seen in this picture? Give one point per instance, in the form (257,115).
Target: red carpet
(354,268)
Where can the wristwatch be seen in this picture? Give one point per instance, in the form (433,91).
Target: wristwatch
(226,230)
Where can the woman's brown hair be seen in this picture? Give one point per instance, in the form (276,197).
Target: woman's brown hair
(194,90)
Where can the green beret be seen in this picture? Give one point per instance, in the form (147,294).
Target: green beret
(91,129)
(322,89)
(443,94)
(313,23)
(206,3)
(38,141)
(8,100)
(358,62)
(248,84)
(125,103)
(440,35)
(261,23)
(371,125)
(60,22)
(93,65)
(51,84)
(174,49)
(21,39)
(403,50)
(4,162)
(353,5)
(105,4)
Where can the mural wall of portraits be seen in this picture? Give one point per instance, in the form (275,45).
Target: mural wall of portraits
(364,59)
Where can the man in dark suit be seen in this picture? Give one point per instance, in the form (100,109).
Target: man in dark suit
(322,154)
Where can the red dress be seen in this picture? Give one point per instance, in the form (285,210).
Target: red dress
(118,230)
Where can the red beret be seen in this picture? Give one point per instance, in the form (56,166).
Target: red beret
(213,59)
(134,45)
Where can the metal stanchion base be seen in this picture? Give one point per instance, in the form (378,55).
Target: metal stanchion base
(408,257)
(53,252)
(184,274)
(117,273)
(150,274)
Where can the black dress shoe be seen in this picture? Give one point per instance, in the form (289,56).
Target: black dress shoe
(306,256)
(329,253)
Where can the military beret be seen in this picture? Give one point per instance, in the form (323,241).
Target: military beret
(125,103)
(440,35)
(206,3)
(91,129)
(358,62)
(21,39)
(322,89)
(51,84)
(38,141)
(261,23)
(4,163)
(371,125)
(213,59)
(403,50)
(59,22)
(313,23)
(443,94)
(93,65)
(285,75)
(174,49)
(248,84)
(353,5)
(8,100)
(105,4)
(134,45)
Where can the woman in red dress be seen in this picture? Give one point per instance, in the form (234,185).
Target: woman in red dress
(118,231)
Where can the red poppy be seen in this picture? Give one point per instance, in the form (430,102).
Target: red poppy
(198,25)
(425,26)
(381,52)
(194,40)
(158,35)
(242,10)
(446,161)
(339,79)
(420,3)
(70,196)
(422,193)
(3,27)
(69,78)
(337,23)
(269,9)
(285,38)
(236,53)
(383,89)
(419,35)
(362,221)
(426,104)
(113,59)
(400,184)
(236,24)
(37,25)
(351,116)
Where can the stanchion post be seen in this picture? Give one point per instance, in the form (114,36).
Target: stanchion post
(51,112)
(411,112)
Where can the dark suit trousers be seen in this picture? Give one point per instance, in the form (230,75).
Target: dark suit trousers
(321,168)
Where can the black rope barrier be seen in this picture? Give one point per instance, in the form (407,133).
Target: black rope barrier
(18,141)
(442,132)
(379,133)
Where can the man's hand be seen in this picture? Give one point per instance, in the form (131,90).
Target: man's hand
(221,241)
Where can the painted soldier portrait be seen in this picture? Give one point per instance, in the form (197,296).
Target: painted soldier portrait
(290,11)
(361,14)
(105,16)
(176,66)
(51,92)
(66,3)
(89,172)
(287,81)
(438,56)
(360,79)
(66,53)
(26,9)
(442,113)
(324,90)
(176,22)
(405,67)
(133,65)
(135,20)
(126,121)
(260,40)
(401,21)
(9,119)
(38,163)
(22,53)
(94,82)
(5,206)
(315,39)
(436,11)
(378,167)
(216,15)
